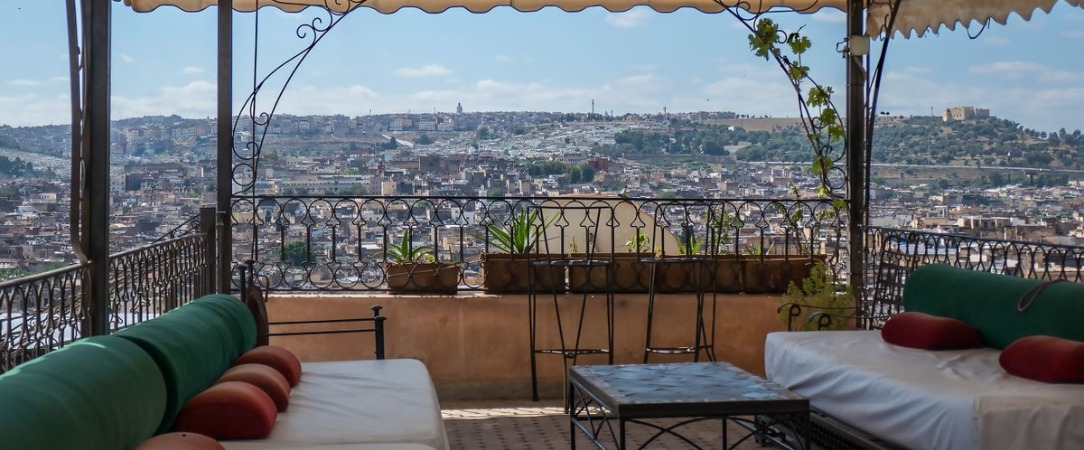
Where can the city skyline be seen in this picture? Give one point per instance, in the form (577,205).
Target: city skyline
(633,62)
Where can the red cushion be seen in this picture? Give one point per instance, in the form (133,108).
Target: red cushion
(928,332)
(281,359)
(1045,358)
(264,377)
(180,441)
(229,410)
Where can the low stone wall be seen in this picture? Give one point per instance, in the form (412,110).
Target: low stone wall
(476,346)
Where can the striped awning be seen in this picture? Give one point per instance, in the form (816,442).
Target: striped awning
(916,17)
(479,6)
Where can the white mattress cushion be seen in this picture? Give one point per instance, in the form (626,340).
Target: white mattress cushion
(371,405)
(922,399)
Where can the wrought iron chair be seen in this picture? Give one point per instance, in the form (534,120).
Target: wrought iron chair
(568,225)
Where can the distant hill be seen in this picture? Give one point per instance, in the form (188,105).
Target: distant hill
(927,140)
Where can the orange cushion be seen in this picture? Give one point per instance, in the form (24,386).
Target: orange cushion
(281,359)
(229,410)
(264,377)
(180,441)
(1045,358)
(929,332)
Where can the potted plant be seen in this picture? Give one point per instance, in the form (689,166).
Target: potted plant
(411,268)
(817,302)
(512,250)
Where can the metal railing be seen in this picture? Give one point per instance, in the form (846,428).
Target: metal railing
(39,313)
(895,253)
(43,312)
(328,243)
(148,281)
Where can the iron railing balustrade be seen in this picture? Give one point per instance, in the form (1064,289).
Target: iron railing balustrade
(43,312)
(330,243)
(148,281)
(39,313)
(895,253)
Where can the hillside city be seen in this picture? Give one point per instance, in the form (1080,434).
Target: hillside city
(963,172)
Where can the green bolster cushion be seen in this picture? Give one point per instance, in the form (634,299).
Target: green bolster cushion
(193,345)
(101,392)
(988,302)
(244,329)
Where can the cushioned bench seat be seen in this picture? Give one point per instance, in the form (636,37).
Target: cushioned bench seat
(364,405)
(920,399)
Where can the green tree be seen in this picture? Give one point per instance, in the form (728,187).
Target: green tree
(483,134)
(588,173)
(294,253)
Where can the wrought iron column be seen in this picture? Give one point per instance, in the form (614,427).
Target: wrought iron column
(856,144)
(207,226)
(97,47)
(224,188)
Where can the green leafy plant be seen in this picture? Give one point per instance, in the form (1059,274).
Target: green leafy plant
(819,294)
(638,244)
(759,250)
(521,235)
(690,246)
(821,120)
(405,252)
(719,227)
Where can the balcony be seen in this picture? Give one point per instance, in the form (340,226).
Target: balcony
(475,342)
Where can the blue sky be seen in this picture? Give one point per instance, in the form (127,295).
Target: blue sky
(637,61)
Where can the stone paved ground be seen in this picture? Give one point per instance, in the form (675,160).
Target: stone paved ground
(523,425)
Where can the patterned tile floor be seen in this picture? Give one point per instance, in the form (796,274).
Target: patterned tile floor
(524,425)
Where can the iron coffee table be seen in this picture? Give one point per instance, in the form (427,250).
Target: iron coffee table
(638,394)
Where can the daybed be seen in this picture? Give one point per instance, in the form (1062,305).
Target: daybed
(944,399)
(114,392)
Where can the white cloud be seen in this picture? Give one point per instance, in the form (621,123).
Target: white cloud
(20,82)
(192,70)
(629,19)
(34,109)
(1024,70)
(428,70)
(744,95)
(1009,69)
(127,58)
(26,83)
(829,15)
(352,99)
(195,99)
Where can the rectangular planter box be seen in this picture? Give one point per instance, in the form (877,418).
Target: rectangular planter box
(436,278)
(774,273)
(508,273)
(630,273)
